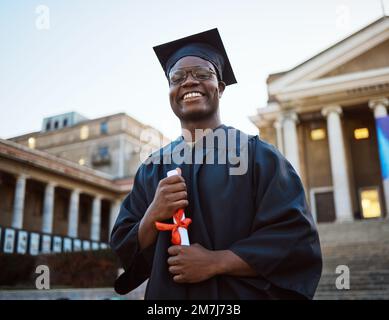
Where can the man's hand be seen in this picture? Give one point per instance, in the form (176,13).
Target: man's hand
(170,196)
(191,264)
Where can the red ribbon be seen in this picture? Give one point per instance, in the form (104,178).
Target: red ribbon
(176,238)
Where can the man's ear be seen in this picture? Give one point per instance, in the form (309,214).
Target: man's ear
(221,86)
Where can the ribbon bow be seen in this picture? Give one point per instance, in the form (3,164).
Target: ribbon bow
(176,238)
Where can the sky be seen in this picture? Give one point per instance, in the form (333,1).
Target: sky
(95,57)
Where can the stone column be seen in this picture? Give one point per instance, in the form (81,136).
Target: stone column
(291,150)
(115,207)
(73,214)
(96,219)
(18,210)
(379,107)
(280,143)
(340,179)
(48,208)
(121,160)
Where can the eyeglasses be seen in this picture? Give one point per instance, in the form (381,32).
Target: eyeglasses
(199,73)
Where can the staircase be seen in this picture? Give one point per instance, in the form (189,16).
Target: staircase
(363,246)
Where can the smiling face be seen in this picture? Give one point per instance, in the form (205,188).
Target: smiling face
(194,100)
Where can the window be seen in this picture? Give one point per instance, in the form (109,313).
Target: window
(84,132)
(31,143)
(361,133)
(318,134)
(48,125)
(65,122)
(101,156)
(103,152)
(370,203)
(104,127)
(56,124)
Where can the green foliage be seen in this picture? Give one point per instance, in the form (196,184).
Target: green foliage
(89,269)
(16,269)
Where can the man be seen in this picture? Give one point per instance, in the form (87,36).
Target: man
(252,235)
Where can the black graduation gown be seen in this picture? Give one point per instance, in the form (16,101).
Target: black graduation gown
(262,216)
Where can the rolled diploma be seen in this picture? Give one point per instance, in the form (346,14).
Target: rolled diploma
(182,231)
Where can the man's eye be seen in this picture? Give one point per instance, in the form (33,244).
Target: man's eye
(203,74)
(177,76)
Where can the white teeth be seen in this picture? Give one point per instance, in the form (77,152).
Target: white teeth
(192,94)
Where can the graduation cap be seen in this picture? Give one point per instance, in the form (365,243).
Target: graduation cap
(207,45)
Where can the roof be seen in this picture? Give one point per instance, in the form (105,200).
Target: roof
(79,124)
(48,162)
(277,75)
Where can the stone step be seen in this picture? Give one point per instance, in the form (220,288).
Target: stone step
(363,246)
(354,273)
(353,287)
(363,295)
(359,231)
(357,266)
(352,253)
(356,250)
(373,281)
(358,277)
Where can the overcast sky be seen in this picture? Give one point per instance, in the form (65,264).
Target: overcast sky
(96,58)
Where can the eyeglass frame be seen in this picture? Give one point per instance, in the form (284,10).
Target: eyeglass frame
(191,72)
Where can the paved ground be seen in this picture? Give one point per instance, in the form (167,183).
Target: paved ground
(72,294)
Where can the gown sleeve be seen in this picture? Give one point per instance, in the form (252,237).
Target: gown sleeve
(283,246)
(124,238)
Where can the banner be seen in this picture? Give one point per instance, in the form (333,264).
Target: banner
(67,245)
(25,242)
(86,245)
(76,245)
(383,145)
(22,242)
(57,244)
(9,241)
(34,244)
(46,243)
(95,246)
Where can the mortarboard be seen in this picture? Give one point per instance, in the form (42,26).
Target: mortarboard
(207,45)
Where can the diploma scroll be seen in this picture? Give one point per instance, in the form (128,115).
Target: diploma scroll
(180,227)
(183,231)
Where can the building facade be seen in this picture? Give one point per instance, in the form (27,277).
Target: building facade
(49,197)
(322,116)
(61,187)
(111,144)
